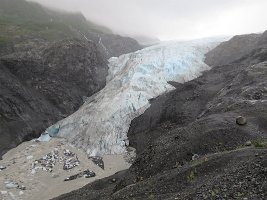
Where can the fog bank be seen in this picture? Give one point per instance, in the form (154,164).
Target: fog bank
(171,19)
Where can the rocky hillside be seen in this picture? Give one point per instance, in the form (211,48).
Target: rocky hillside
(237,48)
(207,139)
(146,40)
(25,25)
(40,86)
(49,62)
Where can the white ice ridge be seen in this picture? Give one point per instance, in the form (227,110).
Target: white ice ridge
(100,126)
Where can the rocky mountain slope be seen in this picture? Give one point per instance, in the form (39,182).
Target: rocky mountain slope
(240,46)
(41,86)
(25,25)
(146,40)
(50,61)
(191,142)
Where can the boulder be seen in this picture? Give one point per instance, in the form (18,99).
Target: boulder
(241,120)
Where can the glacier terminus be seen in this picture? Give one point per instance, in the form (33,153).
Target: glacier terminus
(101,124)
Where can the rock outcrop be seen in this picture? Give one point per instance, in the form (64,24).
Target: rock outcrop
(41,86)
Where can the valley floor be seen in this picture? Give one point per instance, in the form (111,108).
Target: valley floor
(35,183)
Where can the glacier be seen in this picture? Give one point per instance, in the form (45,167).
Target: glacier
(101,124)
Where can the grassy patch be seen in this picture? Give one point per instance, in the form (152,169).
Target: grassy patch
(260,143)
(34,19)
(192,175)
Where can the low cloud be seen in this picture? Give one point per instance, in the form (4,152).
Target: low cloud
(171,19)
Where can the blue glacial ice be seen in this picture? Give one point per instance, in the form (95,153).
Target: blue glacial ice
(100,126)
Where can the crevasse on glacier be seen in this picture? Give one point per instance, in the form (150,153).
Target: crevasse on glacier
(100,126)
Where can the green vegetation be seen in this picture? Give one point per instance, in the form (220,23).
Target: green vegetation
(260,143)
(21,21)
(151,196)
(192,175)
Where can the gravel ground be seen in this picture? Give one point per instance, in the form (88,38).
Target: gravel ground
(35,182)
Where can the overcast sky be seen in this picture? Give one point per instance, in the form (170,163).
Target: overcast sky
(172,19)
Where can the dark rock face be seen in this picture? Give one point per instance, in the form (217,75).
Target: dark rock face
(97,160)
(236,48)
(85,174)
(64,72)
(41,86)
(115,45)
(199,117)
